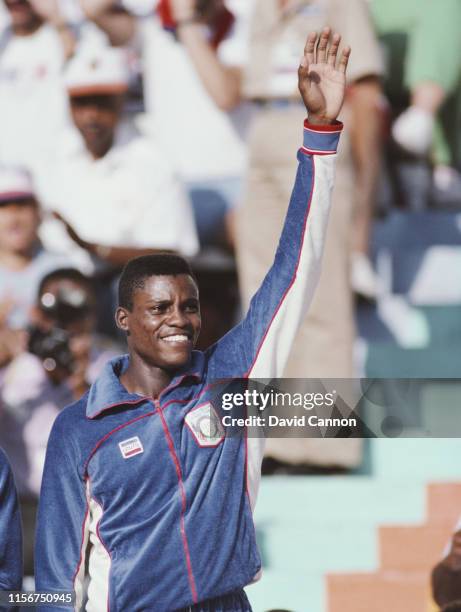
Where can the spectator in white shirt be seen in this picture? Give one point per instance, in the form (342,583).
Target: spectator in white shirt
(34,44)
(181,53)
(113,190)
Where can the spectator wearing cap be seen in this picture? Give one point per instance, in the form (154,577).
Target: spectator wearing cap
(183,45)
(33,106)
(23,260)
(112,190)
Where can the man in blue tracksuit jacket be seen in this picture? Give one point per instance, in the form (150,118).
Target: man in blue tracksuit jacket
(10,531)
(166,507)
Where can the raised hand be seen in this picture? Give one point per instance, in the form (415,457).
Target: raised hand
(321,80)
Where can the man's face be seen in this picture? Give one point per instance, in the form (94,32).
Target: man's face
(96,117)
(19,223)
(164,324)
(21,13)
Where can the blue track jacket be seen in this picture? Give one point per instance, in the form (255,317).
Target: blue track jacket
(168,512)
(10,531)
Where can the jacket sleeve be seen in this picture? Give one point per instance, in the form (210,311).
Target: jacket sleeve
(260,345)
(62,523)
(10,531)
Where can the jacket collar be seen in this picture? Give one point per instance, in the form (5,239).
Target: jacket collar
(108,392)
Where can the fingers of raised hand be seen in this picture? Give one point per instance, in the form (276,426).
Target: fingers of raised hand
(344,59)
(322,53)
(323,44)
(309,50)
(333,50)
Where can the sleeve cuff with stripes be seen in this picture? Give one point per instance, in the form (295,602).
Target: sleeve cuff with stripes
(321,139)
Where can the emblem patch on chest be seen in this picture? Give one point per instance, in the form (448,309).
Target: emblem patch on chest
(131,447)
(205,426)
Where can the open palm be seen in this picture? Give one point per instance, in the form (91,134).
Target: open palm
(322,83)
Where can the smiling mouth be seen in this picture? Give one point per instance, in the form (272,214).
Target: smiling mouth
(177,339)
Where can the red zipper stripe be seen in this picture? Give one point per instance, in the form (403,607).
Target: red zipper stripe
(183,504)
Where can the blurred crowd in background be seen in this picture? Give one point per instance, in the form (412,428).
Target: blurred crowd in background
(134,126)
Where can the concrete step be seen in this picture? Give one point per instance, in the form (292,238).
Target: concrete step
(416,459)
(391,361)
(288,590)
(444,502)
(402,231)
(378,592)
(363,498)
(442,322)
(309,546)
(410,549)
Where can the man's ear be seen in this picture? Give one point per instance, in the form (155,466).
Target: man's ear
(121,319)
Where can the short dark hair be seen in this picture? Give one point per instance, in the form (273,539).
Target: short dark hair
(454,606)
(139,269)
(71,274)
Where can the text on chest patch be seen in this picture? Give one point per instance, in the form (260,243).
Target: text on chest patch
(131,447)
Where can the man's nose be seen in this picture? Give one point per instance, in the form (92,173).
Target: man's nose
(91,112)
(178,318)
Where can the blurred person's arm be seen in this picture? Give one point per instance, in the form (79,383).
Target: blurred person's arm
(114,255)
(365,103)
(446,576)
(112,19)
(50,12)
(221,82)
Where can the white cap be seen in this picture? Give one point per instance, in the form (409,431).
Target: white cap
(103,70)
(15,184)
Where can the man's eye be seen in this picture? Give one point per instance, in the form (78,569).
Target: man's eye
(157,309)
(192,308)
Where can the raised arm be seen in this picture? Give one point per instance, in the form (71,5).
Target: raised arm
(260,345)
(113,19)
(221,82)
(50,11)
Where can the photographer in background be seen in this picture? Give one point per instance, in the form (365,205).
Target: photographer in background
(62,359)
(23,260)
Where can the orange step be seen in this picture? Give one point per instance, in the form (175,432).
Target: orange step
(378,592)
(444,502)
(413,548)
